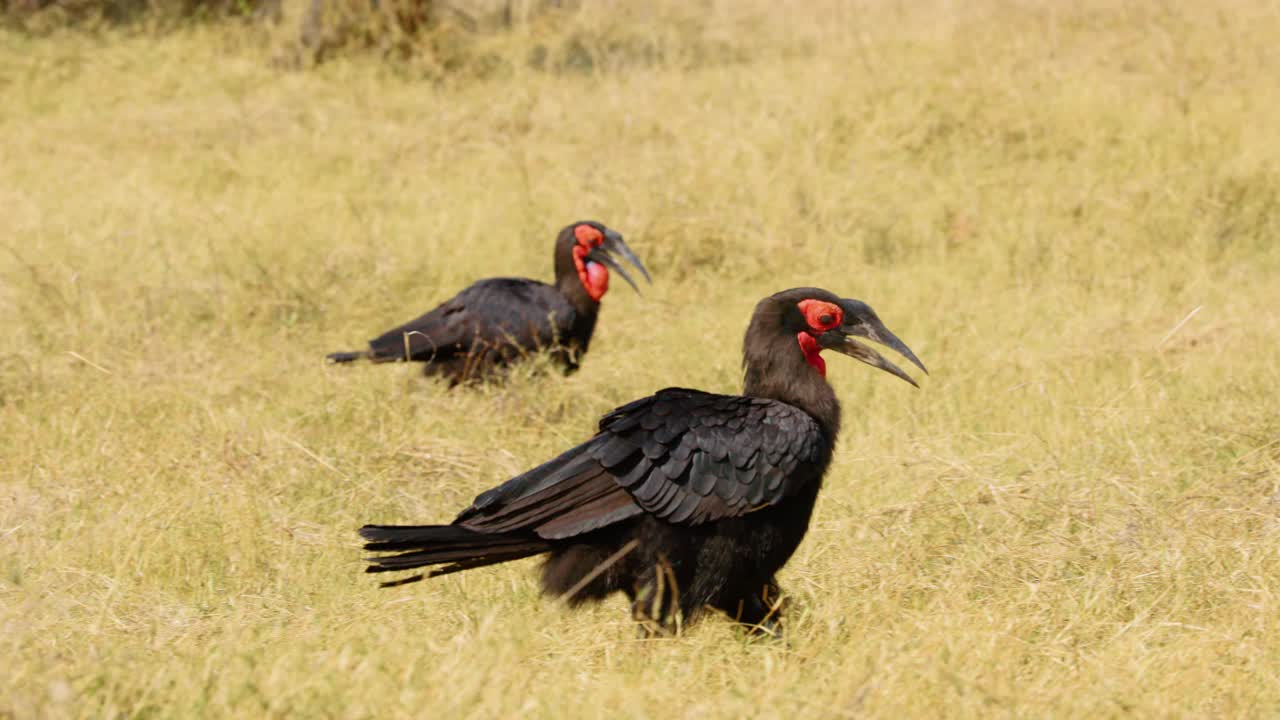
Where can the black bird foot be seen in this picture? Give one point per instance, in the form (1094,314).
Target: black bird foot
(652,622)
(653,610)
(648,629)
(770,628)
(760,615)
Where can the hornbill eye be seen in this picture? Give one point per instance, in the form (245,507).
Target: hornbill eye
(588,236)
(820,315)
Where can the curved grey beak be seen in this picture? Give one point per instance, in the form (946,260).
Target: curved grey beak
(614,245)
(861,321)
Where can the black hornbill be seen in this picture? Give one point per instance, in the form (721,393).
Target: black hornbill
(497,321)
(684,499)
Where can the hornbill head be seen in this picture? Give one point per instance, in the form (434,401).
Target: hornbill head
(593,250)
(823,321)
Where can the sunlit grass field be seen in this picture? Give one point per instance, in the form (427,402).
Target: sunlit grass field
(1070,211)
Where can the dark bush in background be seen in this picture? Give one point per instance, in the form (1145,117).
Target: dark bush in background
(436,37)
(40,16)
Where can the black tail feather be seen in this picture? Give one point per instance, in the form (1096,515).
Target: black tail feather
(346,357)
(451,546)
(402,581)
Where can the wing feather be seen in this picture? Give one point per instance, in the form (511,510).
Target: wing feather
(714,456)
(499,312)
(684,456)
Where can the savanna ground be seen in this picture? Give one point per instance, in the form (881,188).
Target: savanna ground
(1072,214)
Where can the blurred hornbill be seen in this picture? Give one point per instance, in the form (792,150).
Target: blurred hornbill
(683,500)
(497,321)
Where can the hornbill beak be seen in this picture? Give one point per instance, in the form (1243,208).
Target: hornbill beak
(614,244)
(861,321)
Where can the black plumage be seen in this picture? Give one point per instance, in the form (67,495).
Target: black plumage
(498,321)
(682,500)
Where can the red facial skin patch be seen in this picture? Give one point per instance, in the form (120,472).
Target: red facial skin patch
(821,316)
(818,311)
(594,276)
(588,236)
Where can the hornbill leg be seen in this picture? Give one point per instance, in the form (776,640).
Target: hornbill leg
(654,602)
(761,611)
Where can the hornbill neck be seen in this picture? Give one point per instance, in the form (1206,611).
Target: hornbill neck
(570,286)
(775,368)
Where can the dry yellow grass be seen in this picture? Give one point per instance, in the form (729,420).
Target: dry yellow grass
(1078,515)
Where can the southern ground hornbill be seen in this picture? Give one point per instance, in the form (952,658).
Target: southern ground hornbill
(498,321)
(683,500)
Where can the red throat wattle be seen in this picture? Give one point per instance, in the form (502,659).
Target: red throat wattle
(594,276)
(812,352)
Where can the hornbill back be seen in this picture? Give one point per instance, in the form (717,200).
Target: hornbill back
(505,316)
(679,455)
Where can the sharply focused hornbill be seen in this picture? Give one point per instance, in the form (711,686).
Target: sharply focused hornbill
(684,499)
(500,320)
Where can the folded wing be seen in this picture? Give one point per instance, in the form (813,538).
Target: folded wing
(685,456)
(498,312)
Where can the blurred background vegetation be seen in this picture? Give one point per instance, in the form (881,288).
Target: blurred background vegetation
(437,37)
